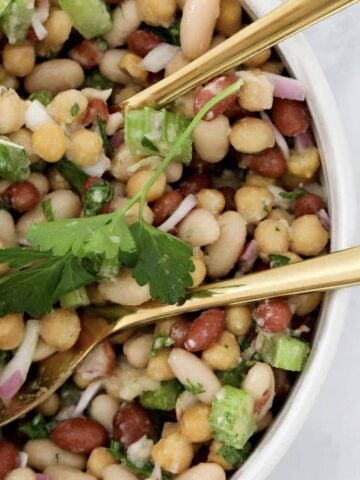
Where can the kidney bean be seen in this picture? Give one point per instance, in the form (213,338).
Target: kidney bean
(131,423)
(308,204)
(142,42)
(290,116)
(118,139)
(155,77)
(205,330)
(269,163)
(164,206)
(210,90)
(273,315)
(179,332)
(199,165)
(194,183)
(282,382)
(96,108)
(21,196)
(9,458)
(79,435)
(88,53)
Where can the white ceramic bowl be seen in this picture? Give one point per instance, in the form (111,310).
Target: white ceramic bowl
(338,179)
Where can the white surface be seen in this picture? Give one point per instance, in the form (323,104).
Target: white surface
(328,445)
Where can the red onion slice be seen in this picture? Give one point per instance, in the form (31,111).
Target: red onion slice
(324,219)
(304,141)
(285,87)
(86,397)
(248,258)
(23,459)
(15,372)
(39,476)
(159,57)
(279,138)
(180,213)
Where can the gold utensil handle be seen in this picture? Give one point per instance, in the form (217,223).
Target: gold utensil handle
(281,23)
(340,269)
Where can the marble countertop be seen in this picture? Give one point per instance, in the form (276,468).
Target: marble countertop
(328,446)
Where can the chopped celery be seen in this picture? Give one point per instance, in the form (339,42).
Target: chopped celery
(75,299)
(282,351)
(152,132)
(43,96)
(232,419)
(4,5)
(14,163)
(16,20)
(233,377)
(164,398)
(91,17)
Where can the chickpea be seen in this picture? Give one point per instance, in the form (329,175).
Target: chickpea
(157,13)
(124,290)
(42,351)
(173,453)
(163,327)
(304,164)
(57,181)
(257,92)
(7,232)
(80,380)
(99,459)
(12,112)
(291,181)
(214,456)
(251,135)
(132,215)
(58,26)
(109,66)
(8,81)
(229,20)
(117,472)
(60,329)
(12,331)
(49,142)
(259,59)
(19,60)
(40,182)
(253,203)
(272,236)
(174,172)
(194,423)
(199,274)
(178,62)
(169,428)
(127,92)
(199,228)
(103,409)
(131,65)
(273,66)
(158,367)
(121,163)
(138,181)
(211,139)
(281,214)
(21,474)
(23,137)
(85,147)
(238,319)
(255,180)
(307,303)
(185,104)
(122,337)
(137,350)
(51,406)
(308,236)
(68,107)
(224,354)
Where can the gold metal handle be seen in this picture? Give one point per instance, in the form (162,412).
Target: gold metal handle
(281,23)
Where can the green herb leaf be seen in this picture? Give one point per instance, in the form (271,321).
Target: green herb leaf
(233,377)
(43,96)
(194,388)
(97,195)
(72,173)
(162,256)
(38,428)
(48,211)
(5,357)
(95,79)
(294,195)
(234,456)
(160,343)
(278,260)
(70,394)
(149,145)
(14,163)
(18,257)
(109,149)
(171,34)
(118,451)
(75,109)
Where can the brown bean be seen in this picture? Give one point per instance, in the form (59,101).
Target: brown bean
(194,183)
(142,42)
(290,116)
(229,194)
(269,163)
(308,204)
(205,330)
(179,331)
(21,196)
(164,206)
(282,382)
(131,423)
(9,458)
(210,90)
(79,435)
(273,315)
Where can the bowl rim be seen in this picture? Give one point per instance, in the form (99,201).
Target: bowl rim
(330,137)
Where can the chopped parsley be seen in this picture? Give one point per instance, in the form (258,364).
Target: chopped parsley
(278,260)
(233,456)
(194,388)
(75,109)
(161,342)
(294,195)
(48,211)
(38,427)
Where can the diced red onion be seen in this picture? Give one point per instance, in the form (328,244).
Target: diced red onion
(180,213)
(15,372)
(324,219)
(248,258)
(159,57)
(279,138)
(40,15)
(304,141)
(289,88)
(117,139)
(23,459)
(39,476)
(87,395)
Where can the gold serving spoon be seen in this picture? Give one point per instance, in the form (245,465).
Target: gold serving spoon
(328,272)
(320,274)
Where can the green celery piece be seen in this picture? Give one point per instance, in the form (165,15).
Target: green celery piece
(164,398)
(75,299)
(14,163)
(154,132)
(91,17)
(232,419)
(283,352)
(4,5)
(17,19)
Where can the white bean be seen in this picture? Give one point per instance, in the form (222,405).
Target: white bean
(211,139)
(260,383)
(190,370)
(42,351)
(126,20)
(199,228)
(55,75)
(21,474)
(222,255)
(40,182)
(43,453)
(103,409)
(137,350)
(202,471)
(197,26)
(125,290)
(117,472)
(174,172)
(60,472)
(7,229)
(109,66)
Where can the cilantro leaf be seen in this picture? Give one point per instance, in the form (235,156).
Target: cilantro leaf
(233,377)
(278,260)
(97,195)
(75,109)
(160,343)
(72,173)
(233,456)
(18,257)
(164,262)
(38,427)
(169,35)
(109,149)
(117,450)
(194,388)
(294,195)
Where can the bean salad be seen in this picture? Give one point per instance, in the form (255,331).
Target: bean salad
(101,209)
